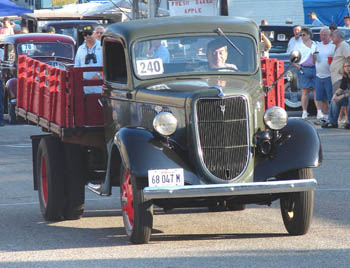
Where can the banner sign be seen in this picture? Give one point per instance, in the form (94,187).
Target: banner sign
(193,7)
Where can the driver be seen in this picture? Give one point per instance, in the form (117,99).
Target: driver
(217,55)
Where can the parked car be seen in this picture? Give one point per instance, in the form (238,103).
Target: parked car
(36,21)
(72,28)
(55,49)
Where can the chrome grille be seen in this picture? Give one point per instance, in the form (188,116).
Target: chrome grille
(222,128)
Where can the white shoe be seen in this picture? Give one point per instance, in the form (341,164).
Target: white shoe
(320,115)
(341,123)
(304,115)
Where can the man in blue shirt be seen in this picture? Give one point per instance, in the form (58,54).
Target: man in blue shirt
(314,19)
(89,54)
(159,51)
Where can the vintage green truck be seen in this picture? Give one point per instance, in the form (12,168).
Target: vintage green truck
(185,119)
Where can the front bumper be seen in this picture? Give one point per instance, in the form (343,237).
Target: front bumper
(213,190)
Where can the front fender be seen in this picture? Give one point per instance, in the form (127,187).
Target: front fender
(302,150)
(141,151)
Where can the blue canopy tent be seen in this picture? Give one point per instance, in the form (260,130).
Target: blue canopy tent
(8,8)
(327,11)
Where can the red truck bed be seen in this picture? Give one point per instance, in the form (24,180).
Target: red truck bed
(54,98)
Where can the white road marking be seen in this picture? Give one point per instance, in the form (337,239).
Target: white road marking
(19,145)
(37,203)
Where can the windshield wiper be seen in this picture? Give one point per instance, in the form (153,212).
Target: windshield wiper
(221,33)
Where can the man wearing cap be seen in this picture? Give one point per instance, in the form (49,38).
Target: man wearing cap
(217,54)
(347,21)
(314,19)
(89,54)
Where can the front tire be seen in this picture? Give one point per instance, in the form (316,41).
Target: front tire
(50,166)
(297,208)
(137,213)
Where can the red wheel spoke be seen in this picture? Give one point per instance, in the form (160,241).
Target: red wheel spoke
(127,199)
(44,186)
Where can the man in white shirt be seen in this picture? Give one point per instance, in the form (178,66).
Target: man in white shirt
(324,92)
(296,39)
(89,54)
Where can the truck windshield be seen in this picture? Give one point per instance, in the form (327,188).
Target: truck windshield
(193,54)
(46,49)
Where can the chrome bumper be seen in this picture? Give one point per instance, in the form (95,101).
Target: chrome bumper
(212,190)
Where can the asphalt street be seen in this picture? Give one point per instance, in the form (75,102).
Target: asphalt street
(254,237)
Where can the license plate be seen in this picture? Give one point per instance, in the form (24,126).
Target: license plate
(166,177)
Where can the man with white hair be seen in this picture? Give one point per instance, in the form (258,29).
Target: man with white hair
(341,54)
(98,32)
(296,39)
(323,84)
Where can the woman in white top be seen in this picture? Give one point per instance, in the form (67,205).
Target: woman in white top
(307,71)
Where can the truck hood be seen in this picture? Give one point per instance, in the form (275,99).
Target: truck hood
(175,92)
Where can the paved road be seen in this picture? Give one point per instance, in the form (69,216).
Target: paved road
(252,238)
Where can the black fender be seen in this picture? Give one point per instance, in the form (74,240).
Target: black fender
(141,151)
(303,149)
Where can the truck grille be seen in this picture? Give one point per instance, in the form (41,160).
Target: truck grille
(222,133)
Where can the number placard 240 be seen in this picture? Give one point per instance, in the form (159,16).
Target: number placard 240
(149,67)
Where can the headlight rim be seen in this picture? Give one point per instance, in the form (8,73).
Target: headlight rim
(163,131)
(273,124)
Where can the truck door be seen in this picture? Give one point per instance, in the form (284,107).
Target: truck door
(117,91)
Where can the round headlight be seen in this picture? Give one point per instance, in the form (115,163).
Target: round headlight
(275,117)
(289,75)
(165,123)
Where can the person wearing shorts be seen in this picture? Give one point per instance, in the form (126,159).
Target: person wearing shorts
(306,69)
(324,91)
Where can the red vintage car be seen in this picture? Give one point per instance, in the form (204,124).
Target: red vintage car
(54,49)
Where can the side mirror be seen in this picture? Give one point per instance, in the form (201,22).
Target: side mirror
(295,56)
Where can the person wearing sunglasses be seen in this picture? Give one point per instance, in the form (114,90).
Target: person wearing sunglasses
(89,54)
(98,32)
(306,69)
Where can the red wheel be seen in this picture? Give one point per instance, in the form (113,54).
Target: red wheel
(44,190)
(50,177)
(137,213)
(126,197)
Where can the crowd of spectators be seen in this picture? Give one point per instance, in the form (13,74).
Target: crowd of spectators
(88,54)
(323,69)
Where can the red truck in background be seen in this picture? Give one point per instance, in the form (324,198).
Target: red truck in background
(171,133)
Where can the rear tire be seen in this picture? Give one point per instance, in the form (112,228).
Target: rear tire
(74,182)
(297,208)
(11,113)
(50,175)
(137,213)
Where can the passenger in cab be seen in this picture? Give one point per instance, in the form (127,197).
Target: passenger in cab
(157,50)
